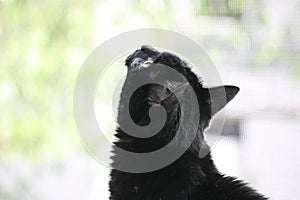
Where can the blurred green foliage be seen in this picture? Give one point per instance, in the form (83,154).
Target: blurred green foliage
(42,46)
(231,8)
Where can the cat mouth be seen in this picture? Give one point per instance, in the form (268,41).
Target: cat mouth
(168,99)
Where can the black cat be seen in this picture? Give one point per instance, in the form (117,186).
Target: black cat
(189,177)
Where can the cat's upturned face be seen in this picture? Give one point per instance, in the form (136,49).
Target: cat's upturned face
(162,89)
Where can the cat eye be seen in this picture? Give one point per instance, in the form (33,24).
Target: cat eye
(147,63)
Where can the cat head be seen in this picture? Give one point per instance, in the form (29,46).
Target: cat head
(168,92)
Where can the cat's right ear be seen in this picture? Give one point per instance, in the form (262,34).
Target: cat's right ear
(219,97)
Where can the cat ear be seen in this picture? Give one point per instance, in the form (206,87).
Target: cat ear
(218,97)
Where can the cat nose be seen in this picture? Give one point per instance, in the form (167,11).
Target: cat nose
(136,63)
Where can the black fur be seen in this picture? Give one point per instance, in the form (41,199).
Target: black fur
(189,177)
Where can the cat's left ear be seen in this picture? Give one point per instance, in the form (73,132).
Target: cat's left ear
(218,97)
